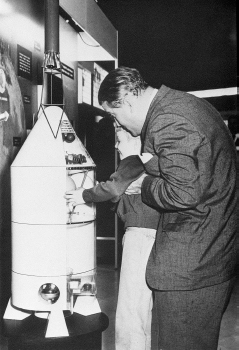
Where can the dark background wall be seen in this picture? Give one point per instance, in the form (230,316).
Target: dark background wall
(188,45)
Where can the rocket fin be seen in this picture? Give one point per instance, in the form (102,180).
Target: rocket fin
(56,325)
(86,305)
(13,313)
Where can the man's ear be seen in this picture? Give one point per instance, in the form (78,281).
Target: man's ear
(128,99)
(115,104)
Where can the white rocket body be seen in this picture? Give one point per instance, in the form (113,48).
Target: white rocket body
(50,245)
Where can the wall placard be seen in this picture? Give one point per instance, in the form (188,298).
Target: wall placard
(68,71)
(24,62)
(98,77)
(86,86)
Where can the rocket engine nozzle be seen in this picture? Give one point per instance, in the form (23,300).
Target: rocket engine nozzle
(52,60)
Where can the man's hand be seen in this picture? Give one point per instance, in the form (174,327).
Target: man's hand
(75,197)
(127,145)
(135,186)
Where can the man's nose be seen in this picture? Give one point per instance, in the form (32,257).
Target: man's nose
(116,144)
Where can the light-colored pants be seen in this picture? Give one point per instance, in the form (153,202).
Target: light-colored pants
(134,308)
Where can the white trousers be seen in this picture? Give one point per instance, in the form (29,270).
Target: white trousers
(134,307)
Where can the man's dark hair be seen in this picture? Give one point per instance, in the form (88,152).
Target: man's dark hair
(118,83)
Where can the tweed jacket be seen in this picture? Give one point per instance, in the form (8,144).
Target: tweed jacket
(195,189)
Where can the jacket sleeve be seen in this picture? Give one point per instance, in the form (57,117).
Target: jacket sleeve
(129,169)
(176,143)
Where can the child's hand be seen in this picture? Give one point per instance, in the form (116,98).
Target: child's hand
(75,197)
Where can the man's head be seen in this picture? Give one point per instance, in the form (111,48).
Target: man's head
(119,82)
(120,95)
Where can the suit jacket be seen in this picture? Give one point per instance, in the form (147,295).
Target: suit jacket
(194,185)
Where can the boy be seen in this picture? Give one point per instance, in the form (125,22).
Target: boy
(133,314)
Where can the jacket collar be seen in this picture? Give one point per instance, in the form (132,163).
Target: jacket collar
(163,90)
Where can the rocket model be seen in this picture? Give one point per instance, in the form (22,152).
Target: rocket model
(53,245)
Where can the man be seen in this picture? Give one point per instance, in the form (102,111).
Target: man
(192,264)
(134,306)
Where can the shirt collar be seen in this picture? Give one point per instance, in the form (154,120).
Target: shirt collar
(152,97)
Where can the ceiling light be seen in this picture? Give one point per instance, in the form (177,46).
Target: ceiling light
(215,92)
